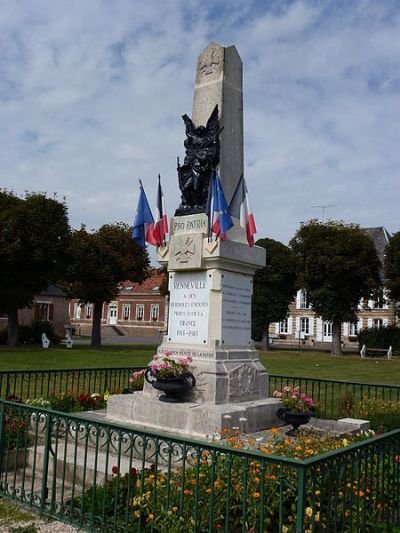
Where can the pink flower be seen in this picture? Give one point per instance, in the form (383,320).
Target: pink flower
(154,368)
(287,388)
(303,396)
(277,394)
(167,354)
(189,358)
(294,396)
(155,357)
(131,379)
(165,365)
(182,361)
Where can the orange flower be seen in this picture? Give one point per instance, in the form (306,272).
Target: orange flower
(193,482)
(208,491)
(250,441)
(361,493)
(298,448)
(219,526)
(186,492)
(274,431)
(272,477)
(256,494)
(175,508)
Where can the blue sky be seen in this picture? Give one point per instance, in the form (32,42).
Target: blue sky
(92,93)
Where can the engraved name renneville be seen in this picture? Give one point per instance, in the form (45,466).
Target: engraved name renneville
(189,285)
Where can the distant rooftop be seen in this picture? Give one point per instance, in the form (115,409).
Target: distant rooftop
(151,284)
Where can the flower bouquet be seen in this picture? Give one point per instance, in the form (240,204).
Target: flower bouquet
(170,376)
(297,408)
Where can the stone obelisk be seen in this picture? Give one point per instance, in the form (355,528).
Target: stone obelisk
(210,285)
(219,80)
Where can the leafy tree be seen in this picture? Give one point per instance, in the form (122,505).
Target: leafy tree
(100,261)
(34,232)
(274,288)
(392,270)
(338,265)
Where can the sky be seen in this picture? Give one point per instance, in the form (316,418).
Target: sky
(92,93)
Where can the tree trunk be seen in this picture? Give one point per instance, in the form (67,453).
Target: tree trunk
(12,328)
(96,326)
(336,338)
(265,339)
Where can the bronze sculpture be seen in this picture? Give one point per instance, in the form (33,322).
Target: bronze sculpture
(202,156)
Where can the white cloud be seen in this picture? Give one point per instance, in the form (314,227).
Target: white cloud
(91,95)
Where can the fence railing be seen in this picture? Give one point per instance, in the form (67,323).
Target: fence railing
(329,394)
(332,395)
(31,384)
(106,477)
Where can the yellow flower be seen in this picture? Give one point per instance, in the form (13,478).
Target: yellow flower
(345,442)
(316,517)
(309,511)
(106,395)
(285,529)
(174,509)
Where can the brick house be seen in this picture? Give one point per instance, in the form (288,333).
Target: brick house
(138,311)
(303,327)
(51,305)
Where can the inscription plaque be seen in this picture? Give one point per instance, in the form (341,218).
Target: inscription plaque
(188,308)
(236,309)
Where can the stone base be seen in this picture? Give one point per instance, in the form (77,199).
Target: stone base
(192,419)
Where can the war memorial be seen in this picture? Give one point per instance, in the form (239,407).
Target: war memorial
(210,281)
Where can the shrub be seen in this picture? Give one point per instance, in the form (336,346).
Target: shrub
(380,338)
(384,415)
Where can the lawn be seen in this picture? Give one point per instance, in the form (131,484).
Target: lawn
(290,363)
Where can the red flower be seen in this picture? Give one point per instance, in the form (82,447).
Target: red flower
(133,471)
(114,470)
(152,467)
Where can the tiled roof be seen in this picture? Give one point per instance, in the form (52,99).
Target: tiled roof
(381,238)
(151,284)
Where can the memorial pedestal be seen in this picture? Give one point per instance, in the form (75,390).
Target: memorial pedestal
(210,286)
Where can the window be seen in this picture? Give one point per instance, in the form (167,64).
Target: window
(377,323)
(353,329)
(328,328)
(305,325)
(380,303)
(43,312)
(154,312)
(88,311)
(284,326)
(126,311)
(139,311)
(77,311)
(304,303)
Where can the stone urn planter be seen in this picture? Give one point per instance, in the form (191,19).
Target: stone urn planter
(294,419)
(174,387)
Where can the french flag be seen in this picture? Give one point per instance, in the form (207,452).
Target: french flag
(240,208)
(160,227)
(219,218)
(144,221)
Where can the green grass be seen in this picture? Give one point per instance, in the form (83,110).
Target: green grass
(12,514)
(291,363)
(32,357)
(322,365)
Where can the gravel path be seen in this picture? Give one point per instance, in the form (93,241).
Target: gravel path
(42,526)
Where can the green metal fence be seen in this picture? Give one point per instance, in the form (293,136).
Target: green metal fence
(107,477)
(31,384)
(329,394)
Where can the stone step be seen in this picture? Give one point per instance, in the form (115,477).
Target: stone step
(81,464)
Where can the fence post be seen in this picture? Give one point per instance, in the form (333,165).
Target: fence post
(45,471)
(2,415)
(300,499)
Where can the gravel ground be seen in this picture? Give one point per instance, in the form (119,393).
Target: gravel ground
(41,526)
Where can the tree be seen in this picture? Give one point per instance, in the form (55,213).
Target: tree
(392,270)
(274,288)
(338,265)
(34,232)
(100,260)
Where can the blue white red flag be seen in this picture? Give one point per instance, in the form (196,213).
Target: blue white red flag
(143,224)
(240,208)
(219,219)
(160,226)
